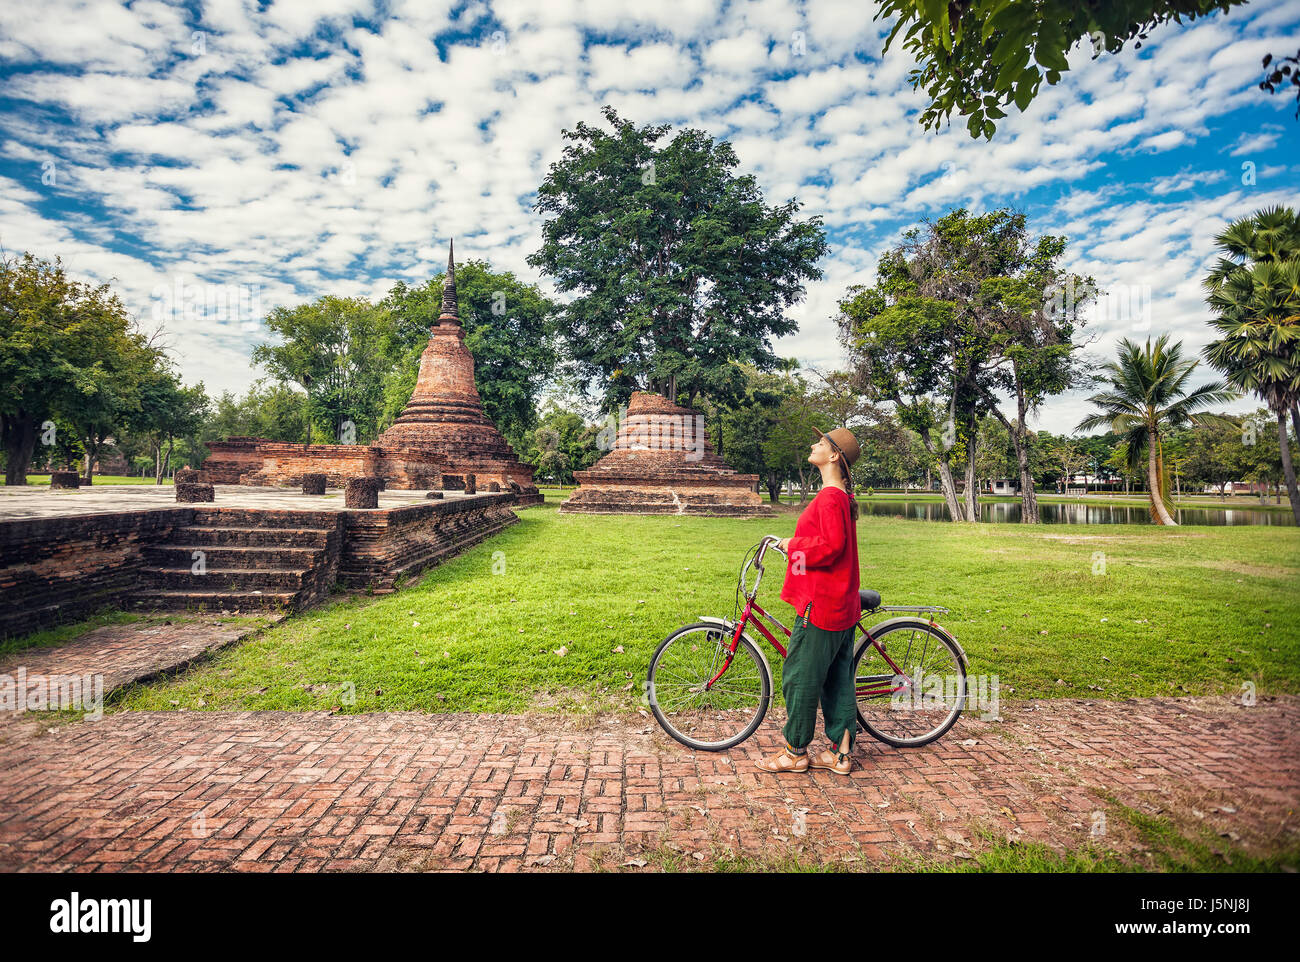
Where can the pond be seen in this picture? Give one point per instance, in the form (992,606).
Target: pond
(1002,511)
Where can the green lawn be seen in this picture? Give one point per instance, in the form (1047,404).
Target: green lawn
(1187,610)
(99,479)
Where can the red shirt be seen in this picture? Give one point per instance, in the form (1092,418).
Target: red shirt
(827,545)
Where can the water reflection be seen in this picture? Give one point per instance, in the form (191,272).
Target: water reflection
(1009,512)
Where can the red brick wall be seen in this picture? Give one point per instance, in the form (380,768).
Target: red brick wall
(61,569)
(380,547)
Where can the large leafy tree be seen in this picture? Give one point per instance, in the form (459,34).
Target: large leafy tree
(978,57)
(1030,314)
(1149,394)
(335,348)
(509,331)
(106,403)
(906,348)
(678,266)
(1069,455)
(959,312)
(1235,449)
(1254,293)
(68,352)
(1262,452)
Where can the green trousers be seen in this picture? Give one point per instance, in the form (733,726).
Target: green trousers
(819,668)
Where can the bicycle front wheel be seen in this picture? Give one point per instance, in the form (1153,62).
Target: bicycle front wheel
(922,699)
(705,717)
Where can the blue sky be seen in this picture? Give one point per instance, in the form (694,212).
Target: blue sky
(219,159)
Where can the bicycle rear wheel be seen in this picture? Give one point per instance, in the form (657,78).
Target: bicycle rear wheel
(935,691)
(709,719)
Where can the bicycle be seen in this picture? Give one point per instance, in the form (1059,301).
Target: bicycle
(700,690)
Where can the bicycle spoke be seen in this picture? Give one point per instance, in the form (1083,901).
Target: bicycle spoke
(919,710)
(700,715)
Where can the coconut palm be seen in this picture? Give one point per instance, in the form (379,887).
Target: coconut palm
(1149,394)
(1254,292)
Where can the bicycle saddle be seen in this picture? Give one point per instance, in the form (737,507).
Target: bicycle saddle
(870,599)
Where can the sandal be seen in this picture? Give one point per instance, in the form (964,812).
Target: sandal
(835,761)
(784,761)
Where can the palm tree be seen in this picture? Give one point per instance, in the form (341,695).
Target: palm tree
(1254,292)
(1148,393)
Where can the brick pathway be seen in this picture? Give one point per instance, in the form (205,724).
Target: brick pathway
(288,791)
(136,651)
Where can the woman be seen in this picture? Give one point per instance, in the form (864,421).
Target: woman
(822,583)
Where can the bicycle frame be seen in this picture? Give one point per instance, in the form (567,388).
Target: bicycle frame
(868,686)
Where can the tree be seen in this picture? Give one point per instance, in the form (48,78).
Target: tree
(562,443)
(509,331)
(336,349)
(1254,294)
(1148,393)
(106,403)
(979,56)
(1098,449)
(1030,315)
(838,396)
(1123,464)
(267,410)
(1262,461)
(1214,454)
(787,445)
(1069,453)
(550,460)
(64,347)
(680,268)
(995,454)
(168,410)
(749,423)
(60,447)
(1278,75)
(891,453)
(958,312)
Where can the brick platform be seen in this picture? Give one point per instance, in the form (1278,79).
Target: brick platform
(282,791)
(275,550)
(132,652)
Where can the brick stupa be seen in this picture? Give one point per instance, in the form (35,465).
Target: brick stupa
(440,440)
(663,462)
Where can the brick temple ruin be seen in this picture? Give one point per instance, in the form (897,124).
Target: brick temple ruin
(262,544)
(443,440)
(663,462)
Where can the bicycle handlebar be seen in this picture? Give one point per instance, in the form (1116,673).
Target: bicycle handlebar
(767,541)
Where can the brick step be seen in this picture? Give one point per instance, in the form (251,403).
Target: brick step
(232,556)
(228,579)
(203,535)
(170,600)
(260,518)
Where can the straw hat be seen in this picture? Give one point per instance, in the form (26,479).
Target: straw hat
(843,441)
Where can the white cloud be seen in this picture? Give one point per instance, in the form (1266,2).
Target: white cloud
(300,151)
(1249,143)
